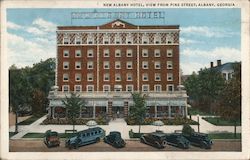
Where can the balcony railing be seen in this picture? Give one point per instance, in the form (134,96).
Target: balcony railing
(122,94)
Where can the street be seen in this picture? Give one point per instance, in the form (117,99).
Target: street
(131,145)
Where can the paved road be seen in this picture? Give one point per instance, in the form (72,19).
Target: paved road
(39,146)
(120,125)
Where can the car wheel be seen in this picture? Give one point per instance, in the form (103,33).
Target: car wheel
(158,145)
(142,140)
(203,145)
(164,143)
(97,139)
(75,146)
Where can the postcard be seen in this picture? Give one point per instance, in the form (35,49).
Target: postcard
(125,80)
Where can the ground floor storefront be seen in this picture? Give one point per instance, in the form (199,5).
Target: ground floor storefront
(161,105)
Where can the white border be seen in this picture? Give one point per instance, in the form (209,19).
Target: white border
(243,4)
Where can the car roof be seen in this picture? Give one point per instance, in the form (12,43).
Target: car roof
(160,134)
(90,130)
(115,132)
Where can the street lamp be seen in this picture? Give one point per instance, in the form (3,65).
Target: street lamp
(198,120)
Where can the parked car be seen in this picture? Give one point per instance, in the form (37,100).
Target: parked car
(89,136)
(200,139)
(115,139)
(178,140)
(51,139)
(156,139)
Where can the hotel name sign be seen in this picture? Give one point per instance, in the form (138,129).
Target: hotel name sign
(117,15)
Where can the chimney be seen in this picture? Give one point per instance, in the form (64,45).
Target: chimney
(219,62)
(211,64)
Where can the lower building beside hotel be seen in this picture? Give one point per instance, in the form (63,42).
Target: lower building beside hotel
(105,63)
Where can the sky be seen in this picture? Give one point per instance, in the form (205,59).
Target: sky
(206,34)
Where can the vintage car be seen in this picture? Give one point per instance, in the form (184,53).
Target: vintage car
(178,140)
(89,136)
(156,139)
(114,138)
(199,139)
(51,139)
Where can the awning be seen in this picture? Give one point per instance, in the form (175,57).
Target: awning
(166,103)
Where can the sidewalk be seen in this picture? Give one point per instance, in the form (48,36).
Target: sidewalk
(121,126)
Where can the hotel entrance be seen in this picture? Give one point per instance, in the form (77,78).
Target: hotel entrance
(118,111)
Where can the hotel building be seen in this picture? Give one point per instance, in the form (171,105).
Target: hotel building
(105,63)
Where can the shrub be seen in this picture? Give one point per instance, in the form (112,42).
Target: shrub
(187,129)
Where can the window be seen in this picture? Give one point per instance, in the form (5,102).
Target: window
(169,76)
(157,39)
(77,65)
(117,77)
(65,53)
(90,88)
(106,53)
(170,87)
(129,53)
(106,88)
(157,88)
(65,65)
(145,77)
(129,65)
(129,39)
(90,39)
(145,88)
(78,40)
(106,77)
(78,77)
(129,77)
(157,53)
(106,65)
(169,39)
(90,53)
(118,88)
(169,65)
(129,88)
(118,39)
(145,64)
(90,65)
(65,77)
(117,53)
(157,65)
(157,76)
(145,39)
(145,53)
(78,53)
(106,39)
(66,40)
(117,65)
(90,77)
(65,88)
(78,88)
(169,53)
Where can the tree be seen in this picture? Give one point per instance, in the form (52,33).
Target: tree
(19,92)
(73,106)
(38,101)
(138,110)
(204,89)
(231,98)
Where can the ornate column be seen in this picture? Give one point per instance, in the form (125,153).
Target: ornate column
(125,108)
(110,108)
(155,111)
(94,110)
(169,111)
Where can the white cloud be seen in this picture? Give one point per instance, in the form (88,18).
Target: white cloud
(11,25)
(44,25)
(35,31)
(207,31)
(184,41)
(202,58)
(23,52)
